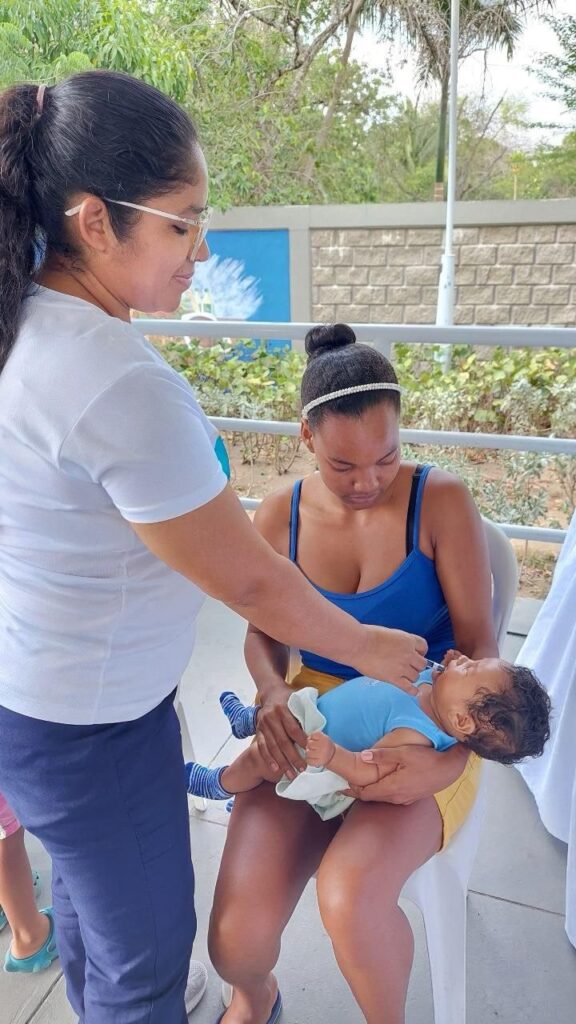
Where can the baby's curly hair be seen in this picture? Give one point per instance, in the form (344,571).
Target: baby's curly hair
(513,724)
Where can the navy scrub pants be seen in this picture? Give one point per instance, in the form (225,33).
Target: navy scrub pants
(109,804)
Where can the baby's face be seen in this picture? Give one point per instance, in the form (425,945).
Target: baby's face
(463,680)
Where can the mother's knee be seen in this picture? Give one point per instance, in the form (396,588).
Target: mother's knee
(346,896)
(243,938)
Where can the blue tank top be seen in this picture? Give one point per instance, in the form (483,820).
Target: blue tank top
(410,599)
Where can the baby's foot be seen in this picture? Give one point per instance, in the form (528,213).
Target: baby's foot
(242,717)
(319,750)
(206,782)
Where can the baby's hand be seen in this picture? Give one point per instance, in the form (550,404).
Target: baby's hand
(319,749)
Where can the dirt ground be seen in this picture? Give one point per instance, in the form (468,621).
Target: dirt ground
(256,479)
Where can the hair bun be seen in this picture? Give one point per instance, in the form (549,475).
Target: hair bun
(328,336)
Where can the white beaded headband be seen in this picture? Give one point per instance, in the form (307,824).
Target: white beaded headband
(357,389)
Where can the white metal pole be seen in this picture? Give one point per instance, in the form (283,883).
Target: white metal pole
(445,307)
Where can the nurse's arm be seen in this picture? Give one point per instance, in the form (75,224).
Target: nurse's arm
(217,547)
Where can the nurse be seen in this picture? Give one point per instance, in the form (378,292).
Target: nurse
(115,520)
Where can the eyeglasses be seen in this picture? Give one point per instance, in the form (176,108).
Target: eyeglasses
(200,223)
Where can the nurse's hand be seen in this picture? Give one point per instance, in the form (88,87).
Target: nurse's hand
(391,655)
(278,732)
(409,773)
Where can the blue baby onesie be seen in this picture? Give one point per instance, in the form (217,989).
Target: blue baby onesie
(361,711)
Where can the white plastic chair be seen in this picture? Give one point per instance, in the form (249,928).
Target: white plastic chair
(440,887)
(187,746)
(504,569)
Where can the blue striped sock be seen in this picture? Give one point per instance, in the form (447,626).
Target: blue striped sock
(205,782)
(242,717)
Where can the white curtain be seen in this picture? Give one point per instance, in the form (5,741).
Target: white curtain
(550,650)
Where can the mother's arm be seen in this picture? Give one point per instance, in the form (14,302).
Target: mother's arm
(452,531)
(410,773)
(268,660)
(456,534)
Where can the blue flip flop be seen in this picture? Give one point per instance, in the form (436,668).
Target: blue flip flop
(39,960)
(274,1016)
(37,887)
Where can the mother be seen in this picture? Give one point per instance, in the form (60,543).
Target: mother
(391,543)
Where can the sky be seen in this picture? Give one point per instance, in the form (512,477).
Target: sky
(511,78)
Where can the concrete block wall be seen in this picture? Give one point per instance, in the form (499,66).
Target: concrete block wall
(380,263)
(505,274)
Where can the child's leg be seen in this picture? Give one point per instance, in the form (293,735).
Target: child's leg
(322,752)
(30,928)
(246,772)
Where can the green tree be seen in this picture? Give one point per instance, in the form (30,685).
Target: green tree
(285,113)
(258,80)
(425,27)
(45,42)
(487,143)
(549,172)
(558,72)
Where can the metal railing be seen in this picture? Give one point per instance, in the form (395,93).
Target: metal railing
(384,336)
(381,334)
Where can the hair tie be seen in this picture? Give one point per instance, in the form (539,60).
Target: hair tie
(357,389)
(40,99)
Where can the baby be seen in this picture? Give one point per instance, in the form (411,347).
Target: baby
(498,710)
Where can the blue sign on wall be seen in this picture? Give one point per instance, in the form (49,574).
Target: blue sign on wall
(246,278)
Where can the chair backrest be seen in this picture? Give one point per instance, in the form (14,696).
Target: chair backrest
(504,569)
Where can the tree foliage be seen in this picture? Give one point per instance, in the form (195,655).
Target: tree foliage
(426,26)
(47,41)
(558,71)
(285,112)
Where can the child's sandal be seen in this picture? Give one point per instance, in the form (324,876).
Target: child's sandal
(39,960)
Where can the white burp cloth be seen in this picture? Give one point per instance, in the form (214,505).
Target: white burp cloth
(320,787)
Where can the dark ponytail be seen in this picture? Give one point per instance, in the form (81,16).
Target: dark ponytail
(18,115)
(336,360)
(100,132)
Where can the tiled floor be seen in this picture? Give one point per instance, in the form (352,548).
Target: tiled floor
(521,967)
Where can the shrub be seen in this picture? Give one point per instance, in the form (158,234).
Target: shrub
(487,390)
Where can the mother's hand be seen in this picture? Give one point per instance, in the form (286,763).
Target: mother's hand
(278,732)
(409,773)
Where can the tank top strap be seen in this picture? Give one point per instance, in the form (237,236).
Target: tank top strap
(415,507)
(294,506)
